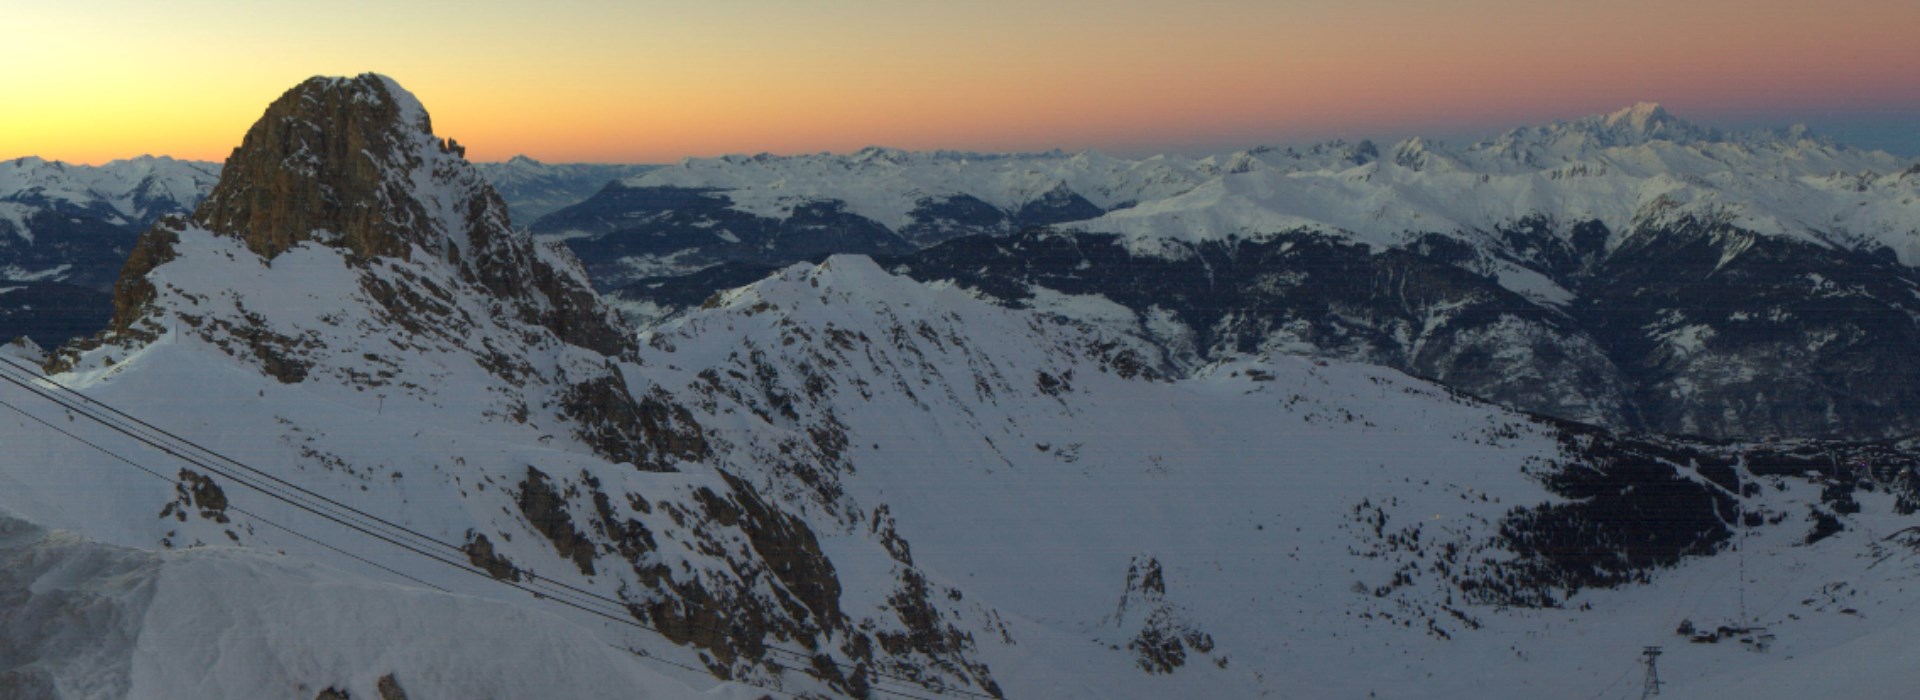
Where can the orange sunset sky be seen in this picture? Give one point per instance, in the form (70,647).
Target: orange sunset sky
(582,80)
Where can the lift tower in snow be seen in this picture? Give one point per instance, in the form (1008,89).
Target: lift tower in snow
(1652,687)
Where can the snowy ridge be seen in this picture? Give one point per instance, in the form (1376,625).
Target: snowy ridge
(1619,169)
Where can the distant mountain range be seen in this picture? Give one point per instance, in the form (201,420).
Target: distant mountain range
(74,223)
(534,189)
(1613,169)
(65,230)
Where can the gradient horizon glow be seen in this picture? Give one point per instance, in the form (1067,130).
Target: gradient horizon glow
(594,80)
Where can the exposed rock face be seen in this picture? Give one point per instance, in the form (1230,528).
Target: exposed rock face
(133,293)
(318,165)
(1162,640)
(648,432)
(546,509)
(390,689)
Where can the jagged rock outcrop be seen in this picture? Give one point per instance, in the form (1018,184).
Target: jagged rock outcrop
(1161,639)
(320,164)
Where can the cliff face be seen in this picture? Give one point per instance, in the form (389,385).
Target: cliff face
(323,164)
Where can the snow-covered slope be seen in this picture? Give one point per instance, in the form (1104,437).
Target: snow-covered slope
(1018,492)
(86,621)
(1270,524)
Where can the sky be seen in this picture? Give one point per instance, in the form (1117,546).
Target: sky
(87,81)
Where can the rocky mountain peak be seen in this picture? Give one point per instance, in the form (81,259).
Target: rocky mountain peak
(352,165)
(341,161)
(1641,123)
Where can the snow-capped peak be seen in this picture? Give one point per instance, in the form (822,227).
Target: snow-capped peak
(1642,123)
(1642,116)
